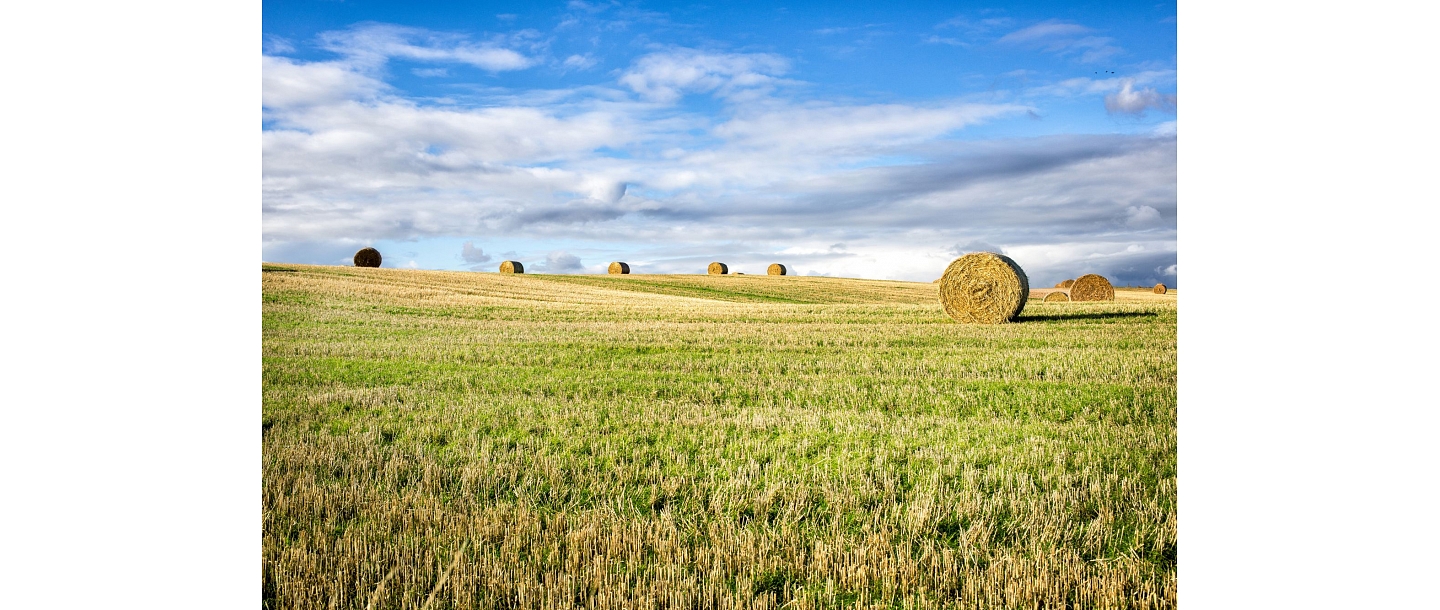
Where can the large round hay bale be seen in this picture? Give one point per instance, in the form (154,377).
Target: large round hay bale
(512,267)
(618,268)
(1091,287)
(1161,289)
(1058,296)
(718,269)
(984,288)
(775,269)
(1065,284)
(367,257)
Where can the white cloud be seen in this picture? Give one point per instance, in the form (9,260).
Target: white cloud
(373,44)
(666,76)
(285,83)
(473,255)
(1064,39)
(1045,32)
(1129,101)
(579,62)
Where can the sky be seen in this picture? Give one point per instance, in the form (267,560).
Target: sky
(870,140)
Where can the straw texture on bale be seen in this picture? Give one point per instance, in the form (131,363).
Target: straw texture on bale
(775,269)
(1065,284)
(1161,289)
(367,257)
(718,269)
(617,268)
(1057,297)
(1091,287)
(984,288)
(512,267)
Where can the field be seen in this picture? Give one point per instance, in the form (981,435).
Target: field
(474,440)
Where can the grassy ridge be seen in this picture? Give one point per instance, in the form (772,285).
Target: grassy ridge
(478,440)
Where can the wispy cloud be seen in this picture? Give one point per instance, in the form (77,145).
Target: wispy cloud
(373,44)
(666,76)
(1064,39)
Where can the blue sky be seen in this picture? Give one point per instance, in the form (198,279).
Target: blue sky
(870,140)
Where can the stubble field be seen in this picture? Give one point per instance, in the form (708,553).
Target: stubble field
(472,440)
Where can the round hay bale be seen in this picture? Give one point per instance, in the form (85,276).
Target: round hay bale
(1091,287)
(1065,284)
(775,269)
(718,269)
(1161,289)
(619,268)
(367,257)
(1057,297)
(512,267)
(984,288)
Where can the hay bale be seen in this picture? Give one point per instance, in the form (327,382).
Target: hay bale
(619,268)
(1161,289)
(367,257)
(1058,296)
(718,269)
(512,267)
(775,269)
(1065,284)
(984,288)
(1091,287)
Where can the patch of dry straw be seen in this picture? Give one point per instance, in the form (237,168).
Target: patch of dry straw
(1058,296)
(1091,287)
(512,267)
(367,257)
(984,288)
(718,269)
(1065,284)
(776,269)
(1161,289)
(619,268)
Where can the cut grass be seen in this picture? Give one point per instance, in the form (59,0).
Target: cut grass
(708,441)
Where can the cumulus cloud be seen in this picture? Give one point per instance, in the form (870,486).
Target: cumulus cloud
(1142,216)
(473,255)
(668,75)
(561,262)
(1064,39)
(1129,101)
(285,83)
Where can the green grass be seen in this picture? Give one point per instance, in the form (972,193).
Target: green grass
(498,441)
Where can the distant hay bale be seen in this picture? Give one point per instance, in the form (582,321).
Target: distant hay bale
(1058,296)
(718,269)
(619,268)
(512,267)
(367,257)
(776,269)
(984,288)
(1065,284)
(1091,287)
(1161,289)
